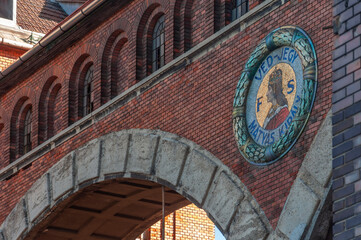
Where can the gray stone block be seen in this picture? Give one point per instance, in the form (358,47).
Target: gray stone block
(169,160)
(15,223)
(114,152)
(38,197)
(141,153)
(318,160)
(246,224)
(298,211)
(221,207)
(87,161)
(197,175)
(61,176)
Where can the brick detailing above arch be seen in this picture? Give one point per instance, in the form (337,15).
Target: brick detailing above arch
(114,74)
(76,82)
(152,155)
(141,39)
(46,112)
(22,106)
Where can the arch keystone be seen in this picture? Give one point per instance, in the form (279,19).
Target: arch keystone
(61,177)
(142,151)
(87,161)
(114,153)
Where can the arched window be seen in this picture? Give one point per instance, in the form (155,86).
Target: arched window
(239,8)
(158,45)
(27,132)
(87,92)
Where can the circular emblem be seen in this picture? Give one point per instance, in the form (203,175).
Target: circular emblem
(275,95)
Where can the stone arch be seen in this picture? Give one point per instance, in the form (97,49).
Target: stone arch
(157,156)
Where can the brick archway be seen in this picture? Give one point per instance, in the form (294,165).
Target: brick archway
(153,155)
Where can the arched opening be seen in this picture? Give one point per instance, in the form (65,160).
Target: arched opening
(143,161)
(114,209)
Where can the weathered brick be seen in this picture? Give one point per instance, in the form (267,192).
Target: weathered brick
(339,227)
(352,199)
(341,171)
(338,205)
(341,215)
(337,139)
(353,154)
(343,82)
(351,45)
(342,192)
(339,95)
(352,110)
(348,58)
(339,73)
(339,52)
(341,39)
(336,162)
(344,103)
(336,118)
(357,8)
(336,129)
(337,183)
(352,67)
(352,132)
(353,21)
(345,235)
(352,177)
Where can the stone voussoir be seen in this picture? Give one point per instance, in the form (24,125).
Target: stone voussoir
(196,183)
(114,152)
(170,159)
(246,224)
(16,223)
(61,176)
(87,161)
(141,152)
(221,208)
(38,197)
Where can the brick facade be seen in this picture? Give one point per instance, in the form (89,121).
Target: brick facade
(187,223)
(8,55)
(346,120)
(193,101)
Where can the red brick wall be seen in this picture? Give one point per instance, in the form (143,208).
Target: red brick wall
(191,223)
(195,102)
(8,56)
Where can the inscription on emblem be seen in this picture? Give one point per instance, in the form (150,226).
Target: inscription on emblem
(274,95)
(271,104)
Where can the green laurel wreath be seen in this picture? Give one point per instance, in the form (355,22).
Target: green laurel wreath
(280,37)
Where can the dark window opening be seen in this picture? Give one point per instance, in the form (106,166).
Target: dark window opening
(158,45)
(239,8)
(6,9)
(27,132)
(88,89)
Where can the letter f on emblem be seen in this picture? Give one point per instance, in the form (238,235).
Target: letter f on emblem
(259,103)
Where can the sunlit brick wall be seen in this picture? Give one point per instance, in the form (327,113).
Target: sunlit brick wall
(8,56)
(190,223)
